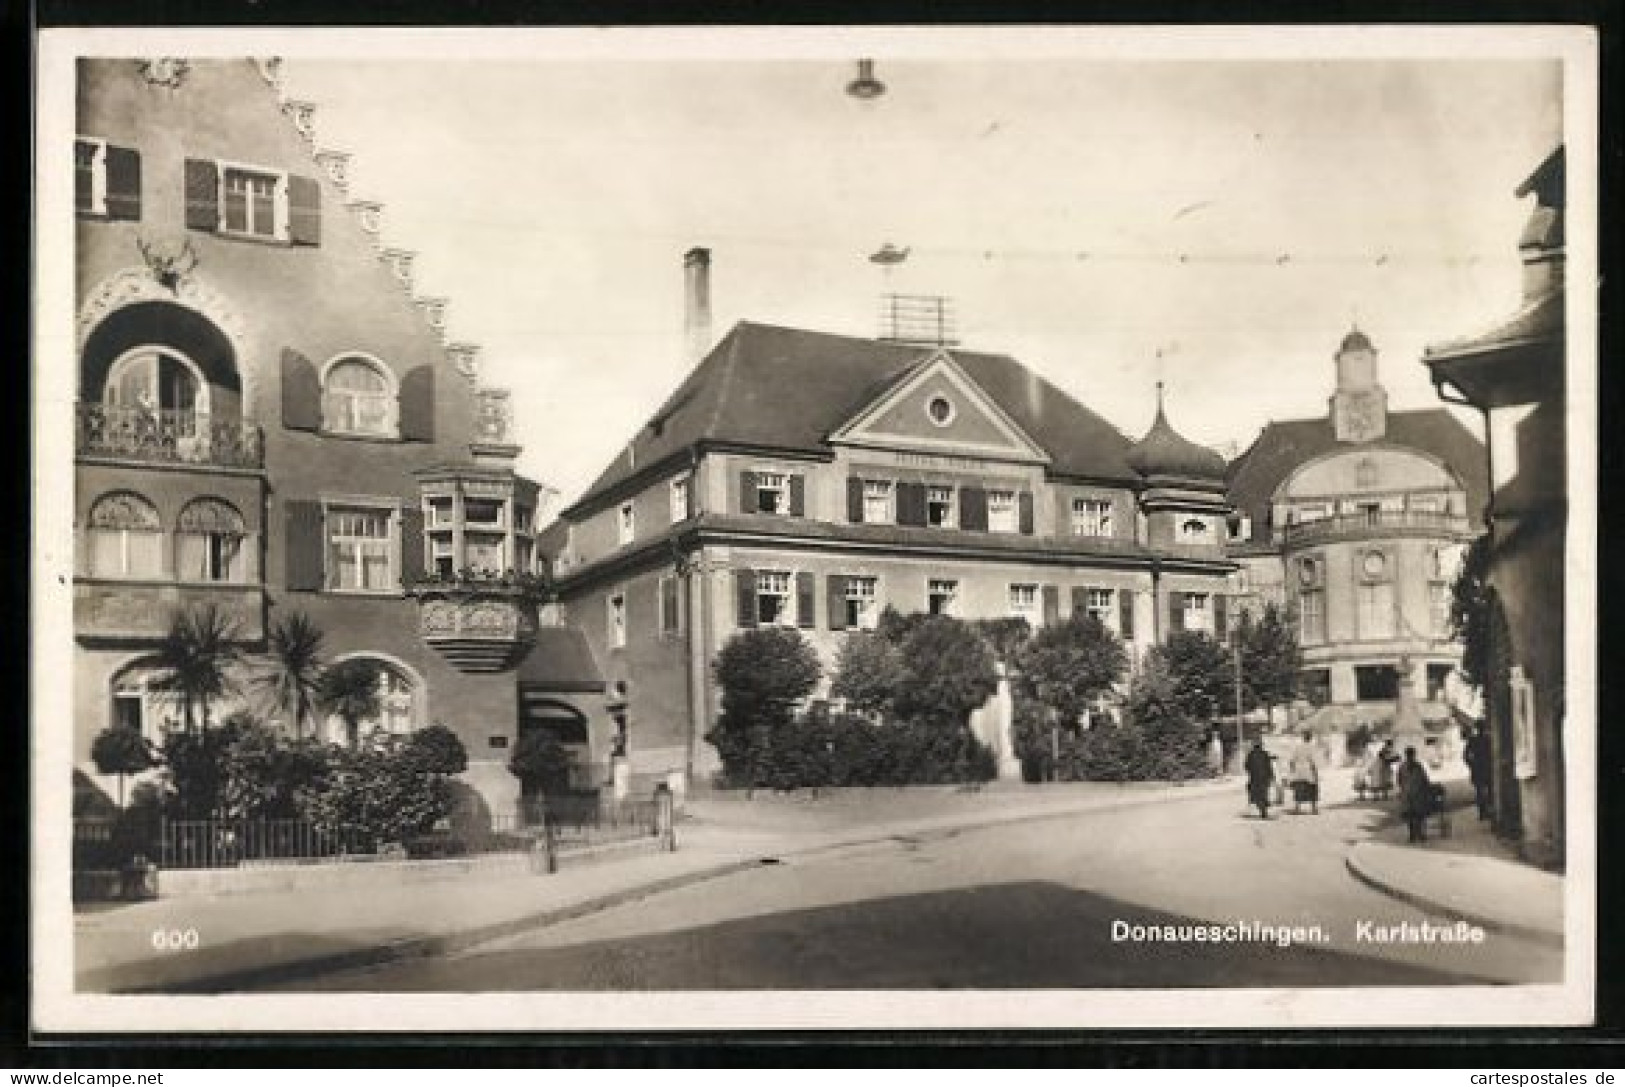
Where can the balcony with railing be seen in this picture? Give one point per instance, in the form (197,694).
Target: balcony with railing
(164,436)
(1372,523)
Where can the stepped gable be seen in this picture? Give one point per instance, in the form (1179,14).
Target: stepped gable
(1282,447)
(788,389)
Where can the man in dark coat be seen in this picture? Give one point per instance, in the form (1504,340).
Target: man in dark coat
(1415,795)
(1260,774)
(1477,756)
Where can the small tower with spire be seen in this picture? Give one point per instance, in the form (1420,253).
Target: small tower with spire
(1359,406)
(1184,485)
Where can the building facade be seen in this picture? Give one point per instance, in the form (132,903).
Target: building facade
(807,479)
(269,420)
(1514,374)
(1356,523)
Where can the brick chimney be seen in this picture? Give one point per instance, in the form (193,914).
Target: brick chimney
(696,304)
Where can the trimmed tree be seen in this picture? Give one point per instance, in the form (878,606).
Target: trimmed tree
(948,672)
(763,674)
(121,751)
(1271,658)
(437,750)
(1070,665)
(867,673)
(349,690)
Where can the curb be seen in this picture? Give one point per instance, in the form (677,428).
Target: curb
(1485,921)
(421,947)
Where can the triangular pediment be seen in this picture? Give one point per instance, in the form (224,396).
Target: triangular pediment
(935,407)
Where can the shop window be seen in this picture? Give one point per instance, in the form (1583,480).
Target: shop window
(1376,682)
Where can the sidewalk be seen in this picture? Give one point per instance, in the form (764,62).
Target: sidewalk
(1470,875)
(243,941)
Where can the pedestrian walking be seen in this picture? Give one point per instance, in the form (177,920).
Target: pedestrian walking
(1415,795)
(1380,770)
(1260,776)
(1215,752)
(1477,756)
(1303,775)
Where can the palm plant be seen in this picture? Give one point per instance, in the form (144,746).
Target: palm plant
(292,677)
(349,689)
(196,658)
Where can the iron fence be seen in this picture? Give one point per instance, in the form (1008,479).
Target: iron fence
(559,824)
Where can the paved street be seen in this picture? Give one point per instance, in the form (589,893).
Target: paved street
(1032,905)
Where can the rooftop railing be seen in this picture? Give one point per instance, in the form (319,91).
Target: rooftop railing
(167,436)
(1371,522)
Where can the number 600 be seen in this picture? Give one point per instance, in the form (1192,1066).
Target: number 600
(174,939)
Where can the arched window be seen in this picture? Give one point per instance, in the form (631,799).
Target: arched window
(124,537)
(358,397)
(135,703)
(209,538)
(157,383)
(398,698)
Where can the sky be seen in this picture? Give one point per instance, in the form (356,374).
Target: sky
(1215,224)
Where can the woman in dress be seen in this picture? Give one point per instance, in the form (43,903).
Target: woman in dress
(1303,772)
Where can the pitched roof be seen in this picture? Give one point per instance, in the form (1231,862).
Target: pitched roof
(1282,447)
(560,660)
(789,388)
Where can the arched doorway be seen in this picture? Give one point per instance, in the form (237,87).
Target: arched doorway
(400,694)
(135,702)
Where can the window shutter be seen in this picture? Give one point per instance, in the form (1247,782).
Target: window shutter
(745,597)
(973,508)
(304,211)
(1080,599)
(417,404)
(305,545)
(1176,612)
(691,493)
(854,500)
(798,496)
(1219,617)
(835,598)
(1125,614)
(123,183)
(747,492)
(911,503)
(411,546)
(202,195)
(1052,605)
(670,612)
(1026,512)
(806,600)
(301,392)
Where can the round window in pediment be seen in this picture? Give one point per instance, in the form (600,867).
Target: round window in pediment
(940,410)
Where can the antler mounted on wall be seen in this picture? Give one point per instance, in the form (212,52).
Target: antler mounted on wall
(168,261)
